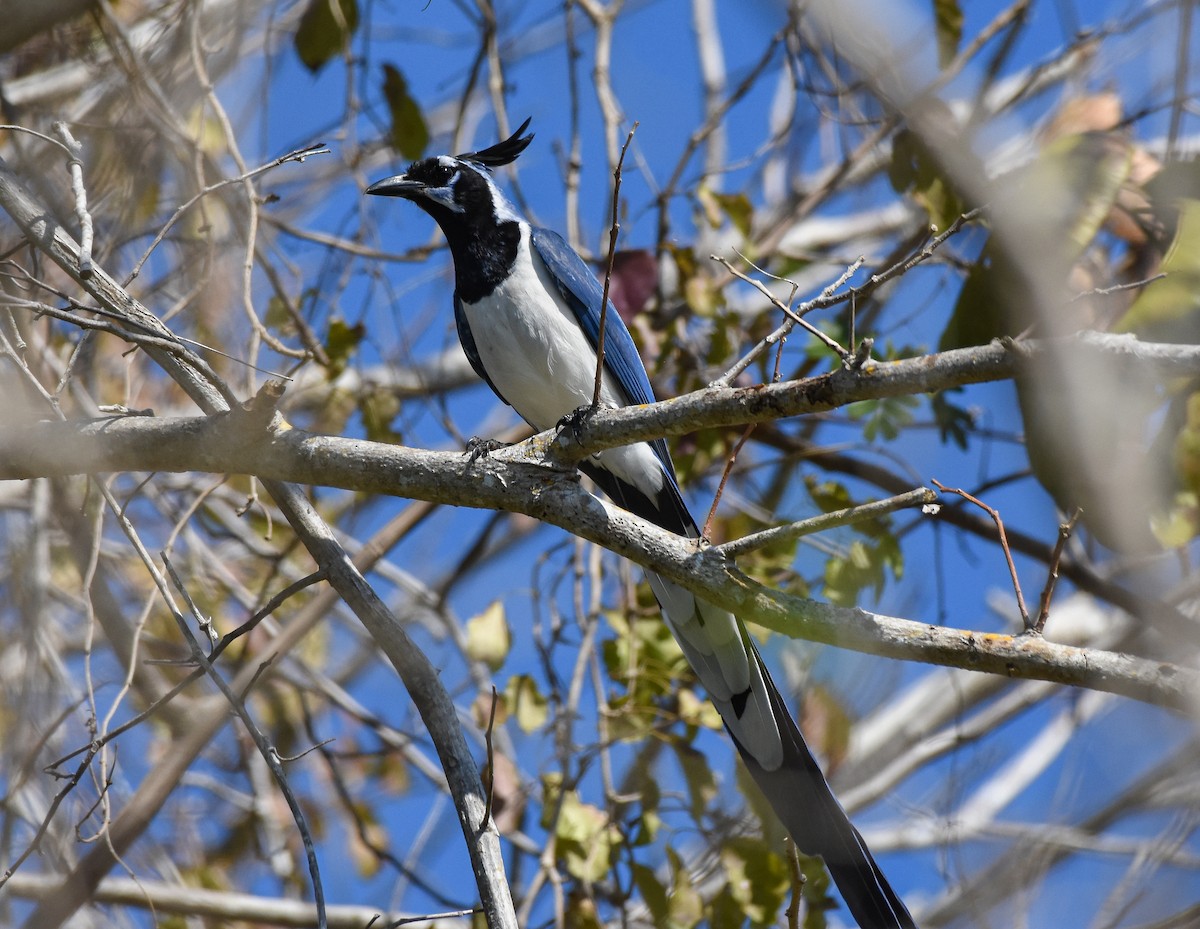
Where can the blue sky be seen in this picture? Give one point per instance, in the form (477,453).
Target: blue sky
(949,578)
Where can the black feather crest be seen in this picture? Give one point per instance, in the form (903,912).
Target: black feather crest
(502,153)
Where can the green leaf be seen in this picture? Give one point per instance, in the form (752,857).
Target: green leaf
(580,913)
(734,207)
(488,636)
(698,776)
(758,878)
(696,711)
(830,495)
(696,286)
(955,423)
(644,657)
(277,318)
(324,31)
(1168,309)
(409,134)
(648,826)
(378,409)
(861,567)
(727,911)
(340,343)
(587,841)
(913,170)
(687,907)
(1177,520)
(948,22)
(654,894)
(886,416)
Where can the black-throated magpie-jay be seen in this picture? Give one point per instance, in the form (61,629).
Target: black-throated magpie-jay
(527,309)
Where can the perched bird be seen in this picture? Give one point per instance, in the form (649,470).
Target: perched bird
(527,309)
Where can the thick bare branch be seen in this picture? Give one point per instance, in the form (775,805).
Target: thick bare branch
(514,480)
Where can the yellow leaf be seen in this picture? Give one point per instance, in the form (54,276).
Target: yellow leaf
(1167,309)
(525,703)
(488,637)
(697,712)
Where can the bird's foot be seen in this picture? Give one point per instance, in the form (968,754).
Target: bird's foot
(480,448)
(577,419)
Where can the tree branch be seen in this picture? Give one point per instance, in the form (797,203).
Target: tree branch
(223,905)
(515,480)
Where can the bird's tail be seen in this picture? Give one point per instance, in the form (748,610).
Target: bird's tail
(725,659)
(739,685)
(803,801)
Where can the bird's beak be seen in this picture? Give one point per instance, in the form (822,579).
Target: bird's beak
(397,186)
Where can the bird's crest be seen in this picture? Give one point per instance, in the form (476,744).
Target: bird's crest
(502,153)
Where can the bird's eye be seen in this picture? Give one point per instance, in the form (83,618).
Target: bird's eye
(431,172)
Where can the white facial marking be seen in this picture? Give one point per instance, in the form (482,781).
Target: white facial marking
(445,196)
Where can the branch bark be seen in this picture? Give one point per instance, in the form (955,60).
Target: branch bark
(197,902)
(518,480)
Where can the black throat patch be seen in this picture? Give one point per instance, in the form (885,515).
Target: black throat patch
(484,247)
(484,255)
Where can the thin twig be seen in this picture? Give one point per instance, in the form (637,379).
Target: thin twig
(1116,288)
(491,763)
(1064,533)
(712,510)
(317,148)
(797,881)
(409,920)
(75,166)
(921,255)
(312,748)
(995,514)
(608,269)
(922,496)
(34,843)
(830,296)
(39,135)
(265,748)
(270,607)
(793,317)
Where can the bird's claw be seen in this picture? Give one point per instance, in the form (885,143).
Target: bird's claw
(480,448)
(577,419)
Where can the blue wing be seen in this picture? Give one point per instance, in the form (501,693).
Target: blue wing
(584,294)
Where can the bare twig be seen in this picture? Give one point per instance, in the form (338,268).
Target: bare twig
(830,296)
(1064,533)
(995,514)
(35,843)
(922,496)
(797,880)
(793,317)
(491,762)
(298,156)
(1117,288)
(75,165)
(265,748)
(409,920)
(613,231)
(923,254)
(712,510)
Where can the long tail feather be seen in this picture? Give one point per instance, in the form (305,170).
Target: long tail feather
(760,723)
(804,802)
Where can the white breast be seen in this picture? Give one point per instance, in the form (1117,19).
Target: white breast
(541,362)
